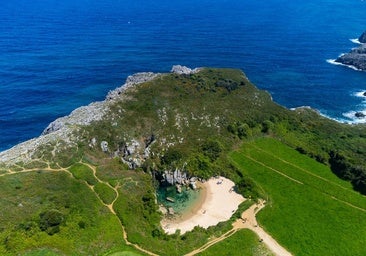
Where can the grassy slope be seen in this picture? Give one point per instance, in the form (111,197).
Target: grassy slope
(183,111)
(88,228)
(306,218)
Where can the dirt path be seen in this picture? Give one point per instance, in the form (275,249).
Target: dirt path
(248,215)
(249,221)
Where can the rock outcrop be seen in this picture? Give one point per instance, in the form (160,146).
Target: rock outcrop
(360,115)
(183,70)
(356,58)
(362,38)
(62,129)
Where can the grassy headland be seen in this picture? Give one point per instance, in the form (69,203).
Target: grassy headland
(74,197)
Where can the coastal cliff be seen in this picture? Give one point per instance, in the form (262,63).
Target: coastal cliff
(97,170)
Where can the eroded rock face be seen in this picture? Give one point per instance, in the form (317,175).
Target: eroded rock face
(362,38)
(80,116)
(62,128)
(356,57)
(183,70)
(131,81)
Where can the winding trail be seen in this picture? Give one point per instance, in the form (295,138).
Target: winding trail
(248,221)
(248,215)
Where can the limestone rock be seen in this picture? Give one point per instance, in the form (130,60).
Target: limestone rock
(131,81)
(104,146)
(80,116)
(183,70)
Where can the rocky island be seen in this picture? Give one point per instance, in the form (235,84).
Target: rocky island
(88,185)
(356,58)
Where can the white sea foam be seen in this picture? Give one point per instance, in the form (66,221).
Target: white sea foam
(349,117)
(333,62)
(355,41)
(360,94)
(355,120)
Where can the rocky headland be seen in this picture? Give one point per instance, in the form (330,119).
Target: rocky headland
(62,130)
(356,58)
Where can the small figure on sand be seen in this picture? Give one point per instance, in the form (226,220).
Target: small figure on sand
(219,182)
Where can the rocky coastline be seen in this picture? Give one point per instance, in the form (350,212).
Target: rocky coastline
(356,58)
(62,129)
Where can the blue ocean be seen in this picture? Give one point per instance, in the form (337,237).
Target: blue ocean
(58,55)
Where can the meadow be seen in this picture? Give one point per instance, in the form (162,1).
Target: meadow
(309,210)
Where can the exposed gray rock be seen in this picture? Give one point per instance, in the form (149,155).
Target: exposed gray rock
(356,57)
(23,152)
(93,142)
(183,70)
(131,81)
(193,185)
(168,177)
(360,115)
(362,38)
(355,60)
(179,177)
(62,129)
(80,116)
(104,146)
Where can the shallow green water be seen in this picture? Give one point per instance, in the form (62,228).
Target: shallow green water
(183,201)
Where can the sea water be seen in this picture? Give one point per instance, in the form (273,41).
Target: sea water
(182,202)
(58,55)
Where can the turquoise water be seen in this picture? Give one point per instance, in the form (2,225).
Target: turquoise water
(183,201)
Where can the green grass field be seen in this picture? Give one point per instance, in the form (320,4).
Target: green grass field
(310,211)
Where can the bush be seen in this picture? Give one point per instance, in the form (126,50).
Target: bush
(211,149)
(171,156)
(50,221)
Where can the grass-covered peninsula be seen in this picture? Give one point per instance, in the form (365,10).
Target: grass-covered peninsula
(89,187)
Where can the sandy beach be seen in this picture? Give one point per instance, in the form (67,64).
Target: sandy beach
(217,203)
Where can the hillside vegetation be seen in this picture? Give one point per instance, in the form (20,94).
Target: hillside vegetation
(85,199)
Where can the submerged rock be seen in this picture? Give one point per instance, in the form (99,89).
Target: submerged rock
(360,115)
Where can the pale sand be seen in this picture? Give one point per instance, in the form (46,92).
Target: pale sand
(218,202)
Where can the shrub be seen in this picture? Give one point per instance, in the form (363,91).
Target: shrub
(50,221)
(211,149)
